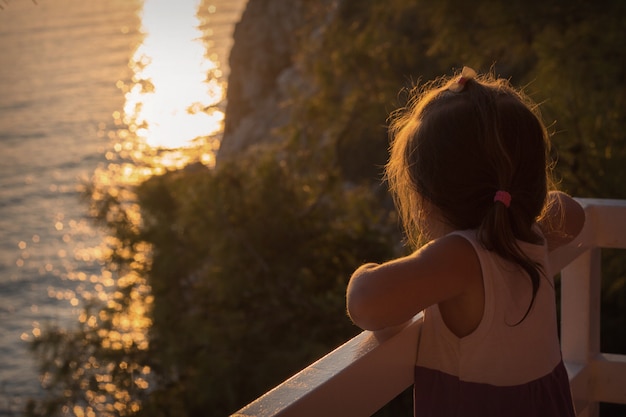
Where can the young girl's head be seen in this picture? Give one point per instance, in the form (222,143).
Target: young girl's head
(460,149)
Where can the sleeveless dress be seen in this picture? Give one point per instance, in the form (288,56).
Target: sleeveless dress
(506,367)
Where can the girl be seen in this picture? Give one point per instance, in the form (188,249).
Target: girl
(469,173)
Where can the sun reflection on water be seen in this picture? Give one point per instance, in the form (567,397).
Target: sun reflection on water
(172,117)
(173,99)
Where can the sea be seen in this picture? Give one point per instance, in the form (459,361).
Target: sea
(101,92)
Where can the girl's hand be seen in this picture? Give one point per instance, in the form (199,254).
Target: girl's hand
(563,220)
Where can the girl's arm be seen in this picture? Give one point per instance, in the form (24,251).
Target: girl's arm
(391,293)
(446,269)
(563,220)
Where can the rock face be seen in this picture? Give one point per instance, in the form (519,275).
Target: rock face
(262,72)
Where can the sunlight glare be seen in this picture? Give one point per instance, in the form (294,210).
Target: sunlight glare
(172,103)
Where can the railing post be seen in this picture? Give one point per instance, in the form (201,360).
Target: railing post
(580,326)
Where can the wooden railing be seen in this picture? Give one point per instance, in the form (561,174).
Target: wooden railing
(368,371)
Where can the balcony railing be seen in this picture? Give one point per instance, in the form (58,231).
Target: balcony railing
(368,371)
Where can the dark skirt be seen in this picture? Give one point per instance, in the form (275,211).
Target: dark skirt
(437,394)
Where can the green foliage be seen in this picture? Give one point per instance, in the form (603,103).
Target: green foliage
(250,267)
(586,95)
(365,52)
(569,56)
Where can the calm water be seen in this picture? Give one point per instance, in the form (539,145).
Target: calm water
(71,110)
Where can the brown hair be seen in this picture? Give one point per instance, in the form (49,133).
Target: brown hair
(454,150)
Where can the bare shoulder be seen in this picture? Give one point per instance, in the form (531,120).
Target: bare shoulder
(451,244)
(451,253)
(563,220)
(459,260)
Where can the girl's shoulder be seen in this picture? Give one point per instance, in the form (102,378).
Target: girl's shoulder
(463,312)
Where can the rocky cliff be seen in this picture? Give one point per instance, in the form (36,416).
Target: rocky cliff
(263,72)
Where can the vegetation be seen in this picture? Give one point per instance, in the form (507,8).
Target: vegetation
(249,261)
(249,276)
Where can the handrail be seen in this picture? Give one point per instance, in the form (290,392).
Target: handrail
(372,366)
(368,371)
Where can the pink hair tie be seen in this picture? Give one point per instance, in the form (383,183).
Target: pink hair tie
(503,197)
